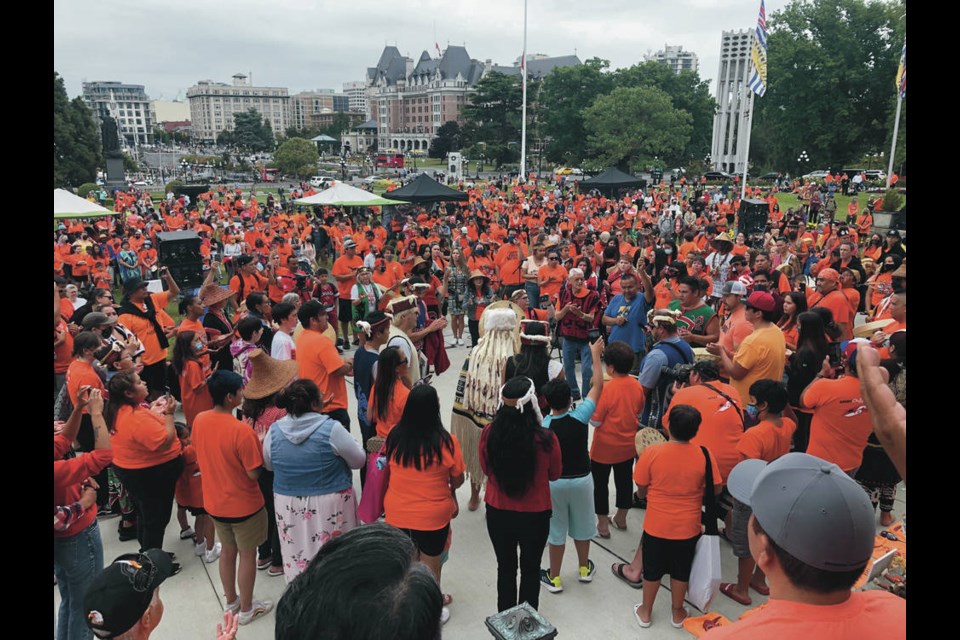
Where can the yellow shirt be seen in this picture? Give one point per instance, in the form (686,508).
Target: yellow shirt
(762,353)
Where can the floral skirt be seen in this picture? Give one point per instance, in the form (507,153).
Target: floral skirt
(306,523)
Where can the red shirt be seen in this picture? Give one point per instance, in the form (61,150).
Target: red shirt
(547,466)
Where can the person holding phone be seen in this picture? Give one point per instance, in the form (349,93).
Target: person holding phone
(579,313)
(143,313)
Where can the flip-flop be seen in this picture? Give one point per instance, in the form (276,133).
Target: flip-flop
(447,599)
(764,591)
(602,535)
(678,625)
(636,616)
(726,588)
(613,523)
(617,570)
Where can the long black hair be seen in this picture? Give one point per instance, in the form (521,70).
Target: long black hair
(533,360)
(419,438)
(811,333)
(387,377)
(830,327)
(513,440)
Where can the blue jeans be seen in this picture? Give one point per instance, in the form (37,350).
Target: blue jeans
(533,293)
(77,560)
(571,347)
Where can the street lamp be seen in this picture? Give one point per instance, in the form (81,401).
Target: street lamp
(802,159)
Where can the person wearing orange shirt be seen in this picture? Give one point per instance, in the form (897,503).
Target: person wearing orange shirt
(735,327)
(829,296)
(247,279)
(318,360)
(848,286)
(615,418)
(389,394)
(146,453)
(811,568)
(550,277)
(672,477)
(507,260)
(143,313)
(230,457)
(192,373)
(345,272)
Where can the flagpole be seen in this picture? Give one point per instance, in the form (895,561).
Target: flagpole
(523,123)
(893,145)
(746,154)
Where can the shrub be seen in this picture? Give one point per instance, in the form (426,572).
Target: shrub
(86,188)
(892,200)
(172,186)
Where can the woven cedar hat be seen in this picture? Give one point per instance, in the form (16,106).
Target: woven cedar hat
(212,294)
(269,375)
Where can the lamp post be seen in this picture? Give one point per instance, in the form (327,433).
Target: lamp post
(802,159)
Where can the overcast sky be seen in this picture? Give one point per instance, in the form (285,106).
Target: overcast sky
(169,45)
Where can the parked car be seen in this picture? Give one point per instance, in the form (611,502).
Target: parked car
(769,176)
(816,175)
(875,174)
(320,181)
(717,175)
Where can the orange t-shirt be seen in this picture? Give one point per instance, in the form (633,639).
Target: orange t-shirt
(621,401)
(139,439)
(874,614)
(251,282)
(766,441)
(62,354)
(398,400)
(508,262)
(853,297)
(226,450)
(66,308)
(551,279)
(665,293)
(841,422)
(145,332)
(189,490)
(839,307)
(675,476)
(421,499)
(735,329)
(317,357)
(343,266)
(721,427)
(81,373)
(193,390)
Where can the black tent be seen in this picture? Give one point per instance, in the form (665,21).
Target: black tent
(426,189)
(610,180)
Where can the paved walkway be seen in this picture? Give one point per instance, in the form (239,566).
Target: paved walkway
(193,600)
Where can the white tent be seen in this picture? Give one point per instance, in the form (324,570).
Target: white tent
(343,195)
(67,205)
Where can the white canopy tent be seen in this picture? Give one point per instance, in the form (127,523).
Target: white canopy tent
(67,205)
(343,195)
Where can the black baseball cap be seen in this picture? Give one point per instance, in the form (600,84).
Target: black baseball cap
(119,596)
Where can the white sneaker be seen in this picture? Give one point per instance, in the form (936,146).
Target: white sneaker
(186,533)
(259,609)
(444,615)
(210,555)
(200,548)
(234,606)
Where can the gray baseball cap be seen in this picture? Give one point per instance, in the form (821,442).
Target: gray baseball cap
(810,508)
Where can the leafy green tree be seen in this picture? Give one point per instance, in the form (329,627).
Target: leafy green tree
(76,143)
(447,140)
(297,156)
(130,165)
(631,126)
(563,96)
(830,92)
(341,122)
(252,132)
(493,117)
(687,92)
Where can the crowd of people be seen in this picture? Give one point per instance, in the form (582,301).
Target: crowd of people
(741,360)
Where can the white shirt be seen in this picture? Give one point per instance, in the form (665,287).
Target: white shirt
(283,347)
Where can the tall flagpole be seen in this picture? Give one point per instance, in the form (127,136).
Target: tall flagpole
(746,154)
(523,123)
(893,145)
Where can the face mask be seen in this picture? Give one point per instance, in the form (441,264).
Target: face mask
(198,346)
(752,410)
(668,251)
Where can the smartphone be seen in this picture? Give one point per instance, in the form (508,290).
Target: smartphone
(834,357)
(593,335)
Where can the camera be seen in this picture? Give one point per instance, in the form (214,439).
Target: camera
(678,373)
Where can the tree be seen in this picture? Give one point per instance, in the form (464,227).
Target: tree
(563,96)
(447,140)
(341,122)
(251,132)
(130,164)
(76,143)
(687,92)
(297,156)
(493,116)
(632,125)
(830,84)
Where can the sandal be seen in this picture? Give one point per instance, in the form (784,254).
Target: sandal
(726,588)
(763,590)
(613,523)
(636,615)
(447,599)
(678,625)
(617,570)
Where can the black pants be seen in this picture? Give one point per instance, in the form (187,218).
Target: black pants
(367,431)
(152,491)
(341,416)
(622,480)
(801,437)
(474,327)
(271,546)
(508,530)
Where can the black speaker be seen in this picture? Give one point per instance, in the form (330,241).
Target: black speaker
(192,190)
(753,217)
(179,251)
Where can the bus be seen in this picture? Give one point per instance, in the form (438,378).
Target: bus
(389,159)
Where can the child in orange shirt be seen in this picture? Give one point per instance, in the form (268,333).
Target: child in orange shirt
(616,422)
(189,495)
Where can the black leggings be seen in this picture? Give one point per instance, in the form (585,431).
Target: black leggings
(622,480)
(528,530)
(474,327)
(152,491)
(271,546)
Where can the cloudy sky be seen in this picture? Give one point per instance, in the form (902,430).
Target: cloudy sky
(168,45)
